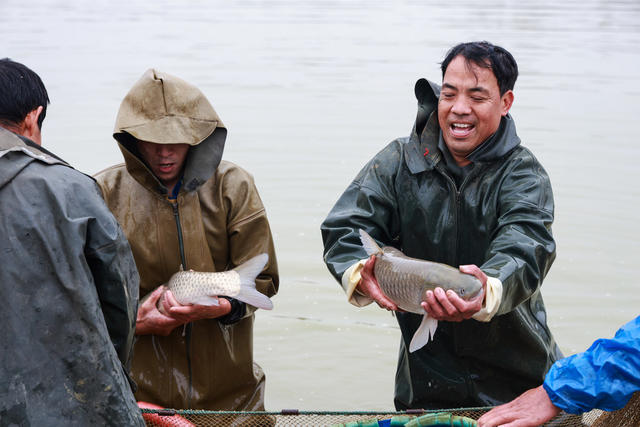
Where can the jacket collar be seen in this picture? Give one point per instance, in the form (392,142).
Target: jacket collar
(421,152)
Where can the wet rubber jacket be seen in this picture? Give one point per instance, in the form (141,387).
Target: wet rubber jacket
(499,218)
(604,377)
(69,292)
(221,220)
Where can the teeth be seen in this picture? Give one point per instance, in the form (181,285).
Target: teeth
(461,125)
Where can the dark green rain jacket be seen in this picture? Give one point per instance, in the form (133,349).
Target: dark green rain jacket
(69,292)
(499,217)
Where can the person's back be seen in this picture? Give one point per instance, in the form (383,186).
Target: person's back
(69,295)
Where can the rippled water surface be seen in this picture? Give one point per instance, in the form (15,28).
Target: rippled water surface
(311,90)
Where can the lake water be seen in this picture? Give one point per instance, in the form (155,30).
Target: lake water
(311,90)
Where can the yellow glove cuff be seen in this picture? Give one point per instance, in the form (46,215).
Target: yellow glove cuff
(492,299)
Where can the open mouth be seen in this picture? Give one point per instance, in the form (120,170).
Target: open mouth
(461,130)
(165,167)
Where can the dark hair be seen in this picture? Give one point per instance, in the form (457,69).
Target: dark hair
(21,91)
(486,55)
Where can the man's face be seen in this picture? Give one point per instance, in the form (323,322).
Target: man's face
(470,107)
(166,160)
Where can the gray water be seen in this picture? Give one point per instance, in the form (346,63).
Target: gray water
(311,90)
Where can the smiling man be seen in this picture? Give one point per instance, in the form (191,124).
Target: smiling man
(181,205)
(463,191)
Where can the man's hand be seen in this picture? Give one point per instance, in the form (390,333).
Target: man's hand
(151,321)
(369,286)
(191,313)
(448,306)
(532,408)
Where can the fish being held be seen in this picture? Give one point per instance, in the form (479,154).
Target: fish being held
(203,288)
(405,280)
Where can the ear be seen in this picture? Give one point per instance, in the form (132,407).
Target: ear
(30,127)
(506,101)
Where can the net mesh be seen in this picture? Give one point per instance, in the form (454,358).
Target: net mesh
(626,417)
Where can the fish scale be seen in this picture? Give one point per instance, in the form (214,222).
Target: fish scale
(188,286)
(404,289)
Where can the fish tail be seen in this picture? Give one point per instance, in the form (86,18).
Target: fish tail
(424,333)
(370,245)
(248,272)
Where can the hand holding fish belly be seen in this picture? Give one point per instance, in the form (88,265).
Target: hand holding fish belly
(448,306)
(151,321)
(369,286)
(204,288)
(193,295)
(169,306)
(418,286)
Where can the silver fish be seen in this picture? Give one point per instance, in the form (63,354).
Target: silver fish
(197,287)
(404,280)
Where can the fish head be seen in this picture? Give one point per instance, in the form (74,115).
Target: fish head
(468,289)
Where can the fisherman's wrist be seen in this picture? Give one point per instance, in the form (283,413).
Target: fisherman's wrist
(238,310)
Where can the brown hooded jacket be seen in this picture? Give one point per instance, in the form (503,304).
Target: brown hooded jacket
(222,223)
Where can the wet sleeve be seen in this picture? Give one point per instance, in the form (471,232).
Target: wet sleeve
(249,234)
(368,203)
(604,377)
(238,311)
(522,249)
(115,275)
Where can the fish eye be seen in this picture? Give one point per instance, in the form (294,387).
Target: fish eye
(461,291)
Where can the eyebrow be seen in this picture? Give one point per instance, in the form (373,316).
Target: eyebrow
(476,89)
(479,89)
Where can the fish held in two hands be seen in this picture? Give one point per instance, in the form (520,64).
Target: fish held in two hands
(203,288)
(404,280)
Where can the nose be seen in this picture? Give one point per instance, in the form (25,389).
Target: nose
(461,106)
(164,149)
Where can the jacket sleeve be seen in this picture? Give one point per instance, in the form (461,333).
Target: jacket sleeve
(248,230)
(522,249)
(368,203)
(604,377)
(115,275)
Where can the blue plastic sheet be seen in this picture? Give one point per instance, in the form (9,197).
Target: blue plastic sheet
(604,377)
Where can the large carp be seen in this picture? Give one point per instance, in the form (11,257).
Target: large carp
(198,287)
(405,280)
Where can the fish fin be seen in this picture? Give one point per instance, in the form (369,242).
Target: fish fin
(252,296)
(390,250)
(369,245)
(248,272)
(424,334)
(207,300)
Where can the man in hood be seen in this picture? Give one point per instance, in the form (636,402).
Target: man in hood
(68,282)
(181,206)
(462,191)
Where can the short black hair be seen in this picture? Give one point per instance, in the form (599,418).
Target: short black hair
(21,91)
(487,55)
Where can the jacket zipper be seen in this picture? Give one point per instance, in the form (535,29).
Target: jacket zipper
(458,193)
(187,332)
(176,216)
(456,203)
